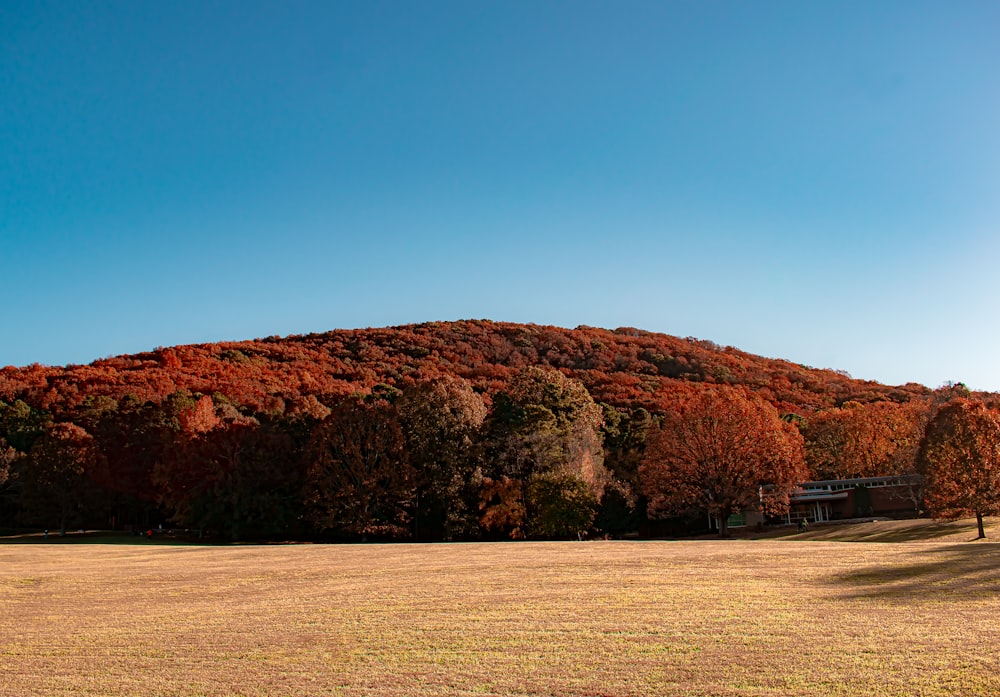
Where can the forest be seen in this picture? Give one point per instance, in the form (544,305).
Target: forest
(456,431)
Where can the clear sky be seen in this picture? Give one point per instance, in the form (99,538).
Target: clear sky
(816,181)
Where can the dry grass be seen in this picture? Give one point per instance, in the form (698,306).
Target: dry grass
(740,617)
(916,530)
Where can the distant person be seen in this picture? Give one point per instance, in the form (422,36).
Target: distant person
(803,525)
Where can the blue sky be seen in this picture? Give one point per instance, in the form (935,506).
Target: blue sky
(805,180)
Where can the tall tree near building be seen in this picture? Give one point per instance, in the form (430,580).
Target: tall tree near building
(715,450)
(960,460)
(864,440)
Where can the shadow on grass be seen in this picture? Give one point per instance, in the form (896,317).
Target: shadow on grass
(874,532)
(955,572)
(889,531)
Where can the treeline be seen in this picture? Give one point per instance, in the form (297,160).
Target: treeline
(435,461)
(469,430)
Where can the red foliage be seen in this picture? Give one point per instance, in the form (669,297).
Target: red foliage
(626,368)
(960,459)
(715,451)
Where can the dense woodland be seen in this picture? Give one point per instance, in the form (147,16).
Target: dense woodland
(458,430)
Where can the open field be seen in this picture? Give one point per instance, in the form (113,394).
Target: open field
(742,617)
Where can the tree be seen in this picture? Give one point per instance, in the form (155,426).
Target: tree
(54,478)
(864,440)
(441,420)
(546,424)
(501,507)
(241,477)
(21,425)
(559,505)
(358,480)
(133,439)
(621,507)
(718,450)
(960,460)
(7,457)
(546,421)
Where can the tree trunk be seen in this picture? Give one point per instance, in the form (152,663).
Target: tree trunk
(724,523)
(979,522)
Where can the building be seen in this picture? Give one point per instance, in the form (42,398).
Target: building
(845,499)
(841,499)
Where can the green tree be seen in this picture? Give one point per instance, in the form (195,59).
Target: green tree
(7,457)
(622,508)
(559,505)
(21,425)
(546,424)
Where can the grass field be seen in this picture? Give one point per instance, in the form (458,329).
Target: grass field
(739,617)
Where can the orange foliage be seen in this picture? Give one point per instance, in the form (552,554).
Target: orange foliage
(625,367)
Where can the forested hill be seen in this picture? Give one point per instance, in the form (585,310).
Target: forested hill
(624,367)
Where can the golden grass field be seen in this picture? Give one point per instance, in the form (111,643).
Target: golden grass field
(740,617)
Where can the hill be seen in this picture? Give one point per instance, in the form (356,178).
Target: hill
(625,368)
(463,430)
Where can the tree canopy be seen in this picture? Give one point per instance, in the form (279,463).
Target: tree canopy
(721,450)
(442,430)
(960,460)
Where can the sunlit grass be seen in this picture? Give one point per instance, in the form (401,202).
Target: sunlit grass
(740,617)
(880,530)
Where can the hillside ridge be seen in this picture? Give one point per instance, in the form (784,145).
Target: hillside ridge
(625,367)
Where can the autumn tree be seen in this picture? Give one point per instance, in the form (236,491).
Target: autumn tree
(132,440)
(441,420)
(960,460)
(242,478)
(864,440)
(716,450)
(226,472)
(501,507)
(358,480)
(54,475)
(183,471)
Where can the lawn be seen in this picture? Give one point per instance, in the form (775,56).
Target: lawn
(739,617)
